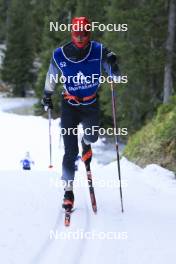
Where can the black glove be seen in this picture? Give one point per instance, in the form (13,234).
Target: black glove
(111,58)
(47,102)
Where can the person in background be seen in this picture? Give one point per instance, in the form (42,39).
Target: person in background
(27,161)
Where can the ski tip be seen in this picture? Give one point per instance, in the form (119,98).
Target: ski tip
(94,209)
(67,217)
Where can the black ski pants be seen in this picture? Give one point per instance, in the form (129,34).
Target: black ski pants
(71,117)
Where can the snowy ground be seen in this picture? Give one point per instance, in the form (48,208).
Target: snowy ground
(31,215)
(9,104)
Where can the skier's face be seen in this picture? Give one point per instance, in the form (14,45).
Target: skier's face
(80,31)
(80,38)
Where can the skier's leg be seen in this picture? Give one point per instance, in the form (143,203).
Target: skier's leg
(69,158)
(69,121)
(90,121)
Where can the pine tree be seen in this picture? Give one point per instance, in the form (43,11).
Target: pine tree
(141,58)
(4,4)
(60,12)
(40,9)
(18,62)
(168,69)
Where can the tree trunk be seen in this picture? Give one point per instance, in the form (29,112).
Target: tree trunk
(168,82)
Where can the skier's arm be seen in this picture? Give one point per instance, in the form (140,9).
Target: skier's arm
(50,85)
(109,58)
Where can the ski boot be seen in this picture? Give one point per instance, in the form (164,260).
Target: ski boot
(86,153)
(68,201)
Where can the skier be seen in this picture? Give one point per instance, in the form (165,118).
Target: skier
(26,162)
(80,102)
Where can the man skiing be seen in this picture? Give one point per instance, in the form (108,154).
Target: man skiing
(81,57)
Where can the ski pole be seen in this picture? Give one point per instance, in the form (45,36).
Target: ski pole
(50,141)
(116,137)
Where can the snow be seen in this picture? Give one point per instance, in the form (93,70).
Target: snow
(12,103)
(32,229)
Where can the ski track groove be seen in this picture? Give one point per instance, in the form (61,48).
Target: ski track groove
(76,255)
(80,244)
(48,243)
(79,256)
